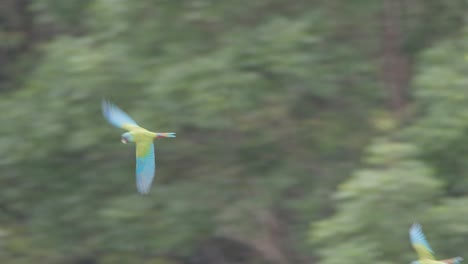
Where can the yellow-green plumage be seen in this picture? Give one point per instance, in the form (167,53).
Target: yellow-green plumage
(145,163)
(424,251)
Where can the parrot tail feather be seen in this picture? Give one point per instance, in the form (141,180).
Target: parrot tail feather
(165,135)
(456,260)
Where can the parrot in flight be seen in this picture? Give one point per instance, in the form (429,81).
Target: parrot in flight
(145,163)
(424,251)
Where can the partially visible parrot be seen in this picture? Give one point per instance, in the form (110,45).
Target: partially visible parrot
(424,251)
(145,163)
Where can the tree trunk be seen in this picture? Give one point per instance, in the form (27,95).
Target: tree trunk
(396,65)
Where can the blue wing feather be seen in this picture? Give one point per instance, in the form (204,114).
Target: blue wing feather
(115,115)
(417,237)
(145,168)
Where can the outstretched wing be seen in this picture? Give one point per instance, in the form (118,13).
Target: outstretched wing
(145,165)
(116,116)
(419,242)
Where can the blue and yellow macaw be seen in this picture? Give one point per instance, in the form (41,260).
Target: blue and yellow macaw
(424,251)
(145,164)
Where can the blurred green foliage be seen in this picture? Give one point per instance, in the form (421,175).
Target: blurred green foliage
(286,149)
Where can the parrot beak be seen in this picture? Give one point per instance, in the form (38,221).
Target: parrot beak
(124,140)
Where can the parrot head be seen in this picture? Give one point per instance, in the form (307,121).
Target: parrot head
(457,260)
(126,137)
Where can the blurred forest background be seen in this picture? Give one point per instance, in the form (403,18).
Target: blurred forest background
(308,131)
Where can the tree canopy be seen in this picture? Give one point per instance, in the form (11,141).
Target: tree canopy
(307,131)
